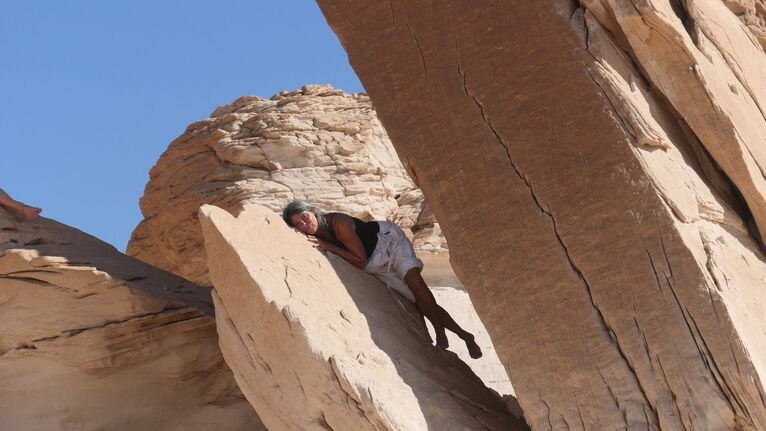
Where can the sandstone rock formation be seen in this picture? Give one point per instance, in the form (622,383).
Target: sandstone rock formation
(317,143)
(597,167)
(753,14)
(94,339)
(316,343)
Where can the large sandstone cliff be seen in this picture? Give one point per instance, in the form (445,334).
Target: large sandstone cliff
(597,168)
(316,344)
(93,339)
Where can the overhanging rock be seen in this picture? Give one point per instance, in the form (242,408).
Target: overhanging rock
(318,344)
(597,168)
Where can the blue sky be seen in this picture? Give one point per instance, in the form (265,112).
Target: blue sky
(92,92)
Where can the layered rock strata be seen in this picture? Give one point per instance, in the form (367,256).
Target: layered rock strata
(316,143)
(316,343)
(94,339)
(752,13)
(597,168)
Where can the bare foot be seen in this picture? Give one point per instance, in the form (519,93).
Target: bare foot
(30,213)
(473,349)
(441,341)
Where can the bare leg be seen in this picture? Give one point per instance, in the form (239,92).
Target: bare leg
(24,211)
(473,349)
(426,303)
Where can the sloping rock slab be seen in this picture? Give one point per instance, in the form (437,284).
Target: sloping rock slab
(318,344)
(93,339)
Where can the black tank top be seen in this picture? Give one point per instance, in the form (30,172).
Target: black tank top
(368,233)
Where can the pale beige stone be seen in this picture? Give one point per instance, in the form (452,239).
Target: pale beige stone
(752,13)
(94,339)
(316,343)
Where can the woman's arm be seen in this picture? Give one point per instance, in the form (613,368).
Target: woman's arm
(345,231)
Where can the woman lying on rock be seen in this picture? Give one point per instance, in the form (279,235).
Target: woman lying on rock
(381,249)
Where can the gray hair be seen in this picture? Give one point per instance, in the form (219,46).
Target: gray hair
(297,207)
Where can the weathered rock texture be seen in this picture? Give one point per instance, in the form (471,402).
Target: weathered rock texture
(316,343)
(753,14)
(594,166)
(317,143)
(93,339)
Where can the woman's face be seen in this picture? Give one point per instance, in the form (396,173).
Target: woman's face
(306,222)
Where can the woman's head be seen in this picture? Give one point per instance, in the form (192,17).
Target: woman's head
(304,216)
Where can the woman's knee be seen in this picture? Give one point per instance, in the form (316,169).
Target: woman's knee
(412,272)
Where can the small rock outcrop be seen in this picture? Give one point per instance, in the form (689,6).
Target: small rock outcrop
(606,198)
(316,143)
(94,339)
(316,343)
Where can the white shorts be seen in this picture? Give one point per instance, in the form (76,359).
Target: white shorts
(392,258)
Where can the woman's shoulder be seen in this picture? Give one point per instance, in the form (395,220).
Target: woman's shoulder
(338,216)
(340,221)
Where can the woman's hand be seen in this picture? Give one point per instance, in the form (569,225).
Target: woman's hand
(320,244)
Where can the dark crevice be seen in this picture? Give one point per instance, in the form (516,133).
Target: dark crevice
(705,353)
(587,174)
(679,9)
(324,424)
(662,244)
(74,332)
(582,420)
(548,414)
(654,269)
(673,396)
(644,341)
(614,398)
(259,358)
(732,397)
(420,51)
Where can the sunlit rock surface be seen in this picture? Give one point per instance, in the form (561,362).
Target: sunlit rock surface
(93,339)
(598,169)
(316,143)
(316,343)
(752,13)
